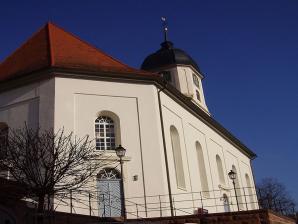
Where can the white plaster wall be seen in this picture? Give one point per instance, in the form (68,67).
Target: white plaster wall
(33,104)
(191,129)
(74,104)
(77,102)
(187,86)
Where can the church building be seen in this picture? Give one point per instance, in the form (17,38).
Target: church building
(178,157)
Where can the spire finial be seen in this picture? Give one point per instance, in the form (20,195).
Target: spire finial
(165,28)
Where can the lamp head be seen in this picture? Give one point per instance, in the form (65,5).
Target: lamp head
(232,175)
(120,151)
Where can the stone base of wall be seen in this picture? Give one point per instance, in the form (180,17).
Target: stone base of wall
(278,219)
(242,217)
(21,214)
(67,218)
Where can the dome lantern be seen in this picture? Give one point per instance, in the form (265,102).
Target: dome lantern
(178,69)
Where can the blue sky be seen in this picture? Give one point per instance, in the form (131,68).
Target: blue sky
(248,51)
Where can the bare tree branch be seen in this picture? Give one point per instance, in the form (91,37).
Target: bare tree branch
(273,195)
(48,163)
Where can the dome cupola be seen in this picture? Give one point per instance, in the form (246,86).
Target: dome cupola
(168,56)
(178,69)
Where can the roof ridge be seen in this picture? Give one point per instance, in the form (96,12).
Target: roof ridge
(50,49)
(53,46)
(91,45)
(24,43)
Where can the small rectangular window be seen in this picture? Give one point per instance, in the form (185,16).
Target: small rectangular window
(167,76)
(198,95)
(196,80)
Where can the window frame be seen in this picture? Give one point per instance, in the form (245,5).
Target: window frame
(220,170)
(198,95)
(202,170)
(105,140)
(196,80)
(165,74)
(177,156)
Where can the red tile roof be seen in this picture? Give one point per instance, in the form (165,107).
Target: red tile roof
(53,47)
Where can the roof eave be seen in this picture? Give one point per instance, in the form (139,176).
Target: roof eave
(153,78)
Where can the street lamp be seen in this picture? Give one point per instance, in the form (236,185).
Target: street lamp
(232,176)
(120,152)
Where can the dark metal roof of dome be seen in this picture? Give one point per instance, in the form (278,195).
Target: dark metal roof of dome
(168,55)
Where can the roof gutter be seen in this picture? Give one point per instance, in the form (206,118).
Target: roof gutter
(154,79)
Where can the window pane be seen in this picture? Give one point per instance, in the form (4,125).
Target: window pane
(196,80)
(178,162)
(167,76)
(198,95)
(105,133)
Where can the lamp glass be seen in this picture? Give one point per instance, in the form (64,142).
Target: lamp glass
(120,151)
(232,175)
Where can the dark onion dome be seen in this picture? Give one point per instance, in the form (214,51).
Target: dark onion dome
(168,55)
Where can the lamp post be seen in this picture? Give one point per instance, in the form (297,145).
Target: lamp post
(120,152)
(232,176)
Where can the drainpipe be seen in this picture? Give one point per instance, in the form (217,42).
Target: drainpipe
(164,147)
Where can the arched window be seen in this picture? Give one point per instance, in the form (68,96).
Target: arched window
(202,170)
(108,174)
(176,147)
(226,203)
(3,139)
(220,170)
(250,191)
(105,133)
(238,189)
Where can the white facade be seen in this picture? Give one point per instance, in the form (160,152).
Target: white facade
(178,157)
(74,104)
(189,82)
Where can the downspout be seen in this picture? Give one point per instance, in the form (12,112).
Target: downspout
(165,148)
